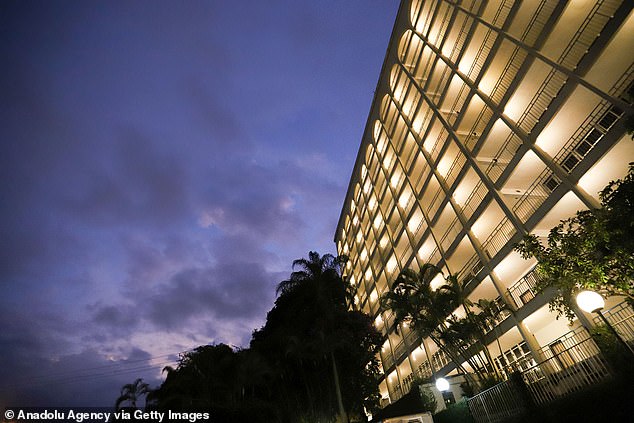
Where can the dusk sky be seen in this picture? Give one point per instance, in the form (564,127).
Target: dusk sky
(161,165)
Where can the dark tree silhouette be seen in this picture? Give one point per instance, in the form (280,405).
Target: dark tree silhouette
(131,393)
(311,347)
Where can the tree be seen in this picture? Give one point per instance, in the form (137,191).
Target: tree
(490,311)
(430,313)
(231,385)
(593,250)
(310,343)
(131,392)
(313,308)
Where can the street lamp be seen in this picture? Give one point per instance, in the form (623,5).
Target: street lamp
(592,302)
(442,384)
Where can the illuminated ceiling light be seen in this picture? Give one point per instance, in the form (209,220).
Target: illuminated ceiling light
(443,166)
(377,129)
(459,196)
(378,322)
(414,222)
(438,281)
(426,249)
(381,144)
(391,264)
(367,186)
(374,296)
(395,179)
(372,203)
(404,199)
(364,254)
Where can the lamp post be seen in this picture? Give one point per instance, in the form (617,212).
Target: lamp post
(592,302)
(442,384)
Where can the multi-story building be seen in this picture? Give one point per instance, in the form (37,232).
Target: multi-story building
(491,120)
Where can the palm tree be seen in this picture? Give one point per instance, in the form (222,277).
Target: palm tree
(413,300)
(320,278)
(490,311)
(131,392)
(474,329)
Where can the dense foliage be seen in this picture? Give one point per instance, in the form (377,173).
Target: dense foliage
(592,250)
(313,360)
(325,352)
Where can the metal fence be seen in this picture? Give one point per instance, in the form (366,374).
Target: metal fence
(621,317)
(570,367)
(497,404)
(568,370)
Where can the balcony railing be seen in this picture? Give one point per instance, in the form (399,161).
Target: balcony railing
(535,195)
(470,269)
(411,336)
(600,120)
(454,170)
(423,371)
(508,74)
(400,349)
(501,315)
(500,236)
(545,94)
(588,32)
(440,359)
(596,125)
(475,198)
(395,392)
(538,22)
(569,370)
(450,235)
(484,117)
(524,290)
(563,348)
(387,359)
(505,153)
(570,57)
(489,39)
(460,39)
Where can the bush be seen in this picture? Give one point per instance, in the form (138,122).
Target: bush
(618,357)
(455,413)
(428,399)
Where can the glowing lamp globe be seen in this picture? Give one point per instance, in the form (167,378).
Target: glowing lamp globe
(590,301)
(442,384)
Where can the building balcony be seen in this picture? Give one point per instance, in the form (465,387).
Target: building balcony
(574,362)
(524,290)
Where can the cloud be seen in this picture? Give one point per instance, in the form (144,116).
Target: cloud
(123,318)
(138,184)
(226,292)
(41,370)
(154,193)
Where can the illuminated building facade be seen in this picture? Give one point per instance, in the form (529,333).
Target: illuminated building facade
(491,119)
